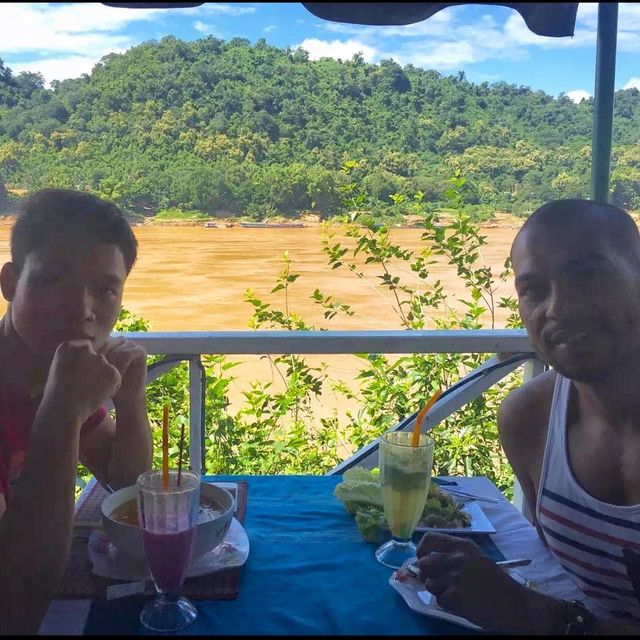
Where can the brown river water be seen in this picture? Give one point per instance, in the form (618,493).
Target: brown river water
(190,278)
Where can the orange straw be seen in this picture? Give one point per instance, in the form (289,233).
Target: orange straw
(417,427)
(165,447)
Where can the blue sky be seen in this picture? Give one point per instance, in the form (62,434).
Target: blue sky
(488,43)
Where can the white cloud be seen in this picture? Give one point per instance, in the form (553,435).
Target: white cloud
(216,7)
(212,8)
(628,42)
(464,44)
(79,18)
(487,38)
(78,29)
(65,40)
(336,49)
(518,33)
(578,95)
(57,68)
(270,28)
(588,14)
(201,27)
(205,29)
(634,83)
(629,16)
(628,24)
(437,25)
(448,55)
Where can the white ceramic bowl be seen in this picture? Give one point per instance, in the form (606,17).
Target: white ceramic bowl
(209,534)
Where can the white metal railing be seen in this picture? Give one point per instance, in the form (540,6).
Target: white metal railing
(192,343)
(189,346)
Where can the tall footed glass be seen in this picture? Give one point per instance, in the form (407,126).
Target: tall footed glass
(168,518)
(405,475)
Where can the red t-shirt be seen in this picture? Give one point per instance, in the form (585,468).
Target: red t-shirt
(15,431)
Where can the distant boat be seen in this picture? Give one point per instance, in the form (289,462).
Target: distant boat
(209,225)
(262,225)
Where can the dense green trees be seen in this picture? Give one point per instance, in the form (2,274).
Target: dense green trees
(226,126)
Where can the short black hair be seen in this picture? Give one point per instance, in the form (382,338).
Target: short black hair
(607,220)
(60,211)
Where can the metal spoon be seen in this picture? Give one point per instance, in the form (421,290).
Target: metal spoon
(507,564)
(470,496)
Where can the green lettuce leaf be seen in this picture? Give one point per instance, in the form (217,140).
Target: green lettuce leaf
(360,488)
(372,524)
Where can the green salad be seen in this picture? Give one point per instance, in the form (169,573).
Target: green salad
(361,495)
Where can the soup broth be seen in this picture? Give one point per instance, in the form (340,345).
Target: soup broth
(127,512)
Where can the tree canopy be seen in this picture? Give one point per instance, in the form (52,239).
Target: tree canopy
(255,130)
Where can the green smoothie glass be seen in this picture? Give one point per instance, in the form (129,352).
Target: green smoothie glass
(405,475)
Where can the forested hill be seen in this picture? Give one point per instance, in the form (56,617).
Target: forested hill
(219,126)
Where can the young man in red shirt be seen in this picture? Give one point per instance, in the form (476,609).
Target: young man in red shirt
(70,256)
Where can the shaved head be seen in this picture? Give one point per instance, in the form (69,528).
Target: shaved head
(604,221)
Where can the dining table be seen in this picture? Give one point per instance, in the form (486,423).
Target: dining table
(309,570)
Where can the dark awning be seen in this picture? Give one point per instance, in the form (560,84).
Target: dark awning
(545,19)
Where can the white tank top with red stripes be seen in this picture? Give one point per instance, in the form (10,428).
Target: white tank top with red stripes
(597,543)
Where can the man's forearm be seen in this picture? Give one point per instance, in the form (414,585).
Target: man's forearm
(35,532)
(131,451)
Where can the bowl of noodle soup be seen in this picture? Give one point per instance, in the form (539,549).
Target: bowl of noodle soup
(120,519)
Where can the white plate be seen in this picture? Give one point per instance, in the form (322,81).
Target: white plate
(424,602)
(479,522)
(108,562)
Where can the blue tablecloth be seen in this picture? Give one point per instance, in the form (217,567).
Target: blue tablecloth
(309,572)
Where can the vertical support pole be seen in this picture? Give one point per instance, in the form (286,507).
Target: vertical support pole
(603,100)
(195,415)
(203,396)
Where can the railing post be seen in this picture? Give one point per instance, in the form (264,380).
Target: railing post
(532,368)
(196,415)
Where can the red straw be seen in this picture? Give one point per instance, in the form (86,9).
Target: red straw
(180,452)
(165,447)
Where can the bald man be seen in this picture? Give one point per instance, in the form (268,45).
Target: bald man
(572,434)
